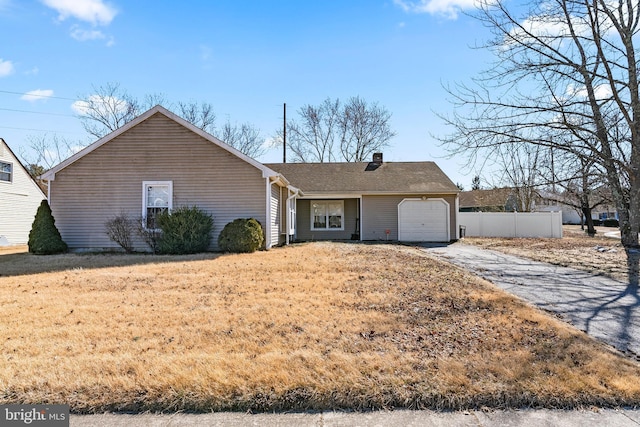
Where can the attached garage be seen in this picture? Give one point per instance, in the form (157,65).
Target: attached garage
(423,220)
(379,202)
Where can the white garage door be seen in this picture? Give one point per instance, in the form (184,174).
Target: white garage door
(423,220)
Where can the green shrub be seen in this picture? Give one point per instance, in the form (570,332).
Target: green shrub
(186,230)
(44,238)
(241,235)
(611,222)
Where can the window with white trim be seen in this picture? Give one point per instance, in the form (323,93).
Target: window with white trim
(327,215)
(6,172)
(157,197)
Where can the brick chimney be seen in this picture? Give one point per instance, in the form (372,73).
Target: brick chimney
(377,158)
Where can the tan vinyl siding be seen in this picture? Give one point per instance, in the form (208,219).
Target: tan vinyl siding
(19,201)
(109,180)
(303,227)
(380,213)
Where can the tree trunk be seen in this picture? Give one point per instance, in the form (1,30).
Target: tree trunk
(633,262)
(586,212)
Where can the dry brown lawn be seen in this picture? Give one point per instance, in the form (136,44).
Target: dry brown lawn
(598,254)
(312,326)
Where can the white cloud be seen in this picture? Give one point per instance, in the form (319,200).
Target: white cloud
(32,72)
(97,12)
(6,68)
(103,105)
(37,95)
(602,91)
(84,35)
(449,8)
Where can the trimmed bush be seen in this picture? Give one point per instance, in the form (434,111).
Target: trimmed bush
(44,238)
(241,235)
(186,230)
(611,222)
(120,229)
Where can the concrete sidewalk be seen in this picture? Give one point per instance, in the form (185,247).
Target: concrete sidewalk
(604,308)
(405,418)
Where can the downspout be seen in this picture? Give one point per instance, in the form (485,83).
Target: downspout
(267,228)
(293,196)
(360,214)
(457,208)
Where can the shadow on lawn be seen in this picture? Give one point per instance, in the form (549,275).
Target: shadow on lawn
(17,264)
(627,303)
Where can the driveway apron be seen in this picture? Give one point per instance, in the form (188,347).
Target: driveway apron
(606,309)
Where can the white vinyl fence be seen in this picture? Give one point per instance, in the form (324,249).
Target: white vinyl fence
(511,224)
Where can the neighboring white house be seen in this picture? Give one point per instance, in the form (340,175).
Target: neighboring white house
(20,197)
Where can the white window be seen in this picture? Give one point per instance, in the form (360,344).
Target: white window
(6,171)
(157,197)
(327,215)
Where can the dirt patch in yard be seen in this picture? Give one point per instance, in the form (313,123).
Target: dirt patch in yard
(597,255)
(313,326)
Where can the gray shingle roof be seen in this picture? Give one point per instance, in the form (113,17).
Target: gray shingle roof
(345,178)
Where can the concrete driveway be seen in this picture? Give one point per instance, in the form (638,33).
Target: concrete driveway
(606,309)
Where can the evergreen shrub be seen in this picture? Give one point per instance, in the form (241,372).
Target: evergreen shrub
(241,235)
(44,238)
(186,230)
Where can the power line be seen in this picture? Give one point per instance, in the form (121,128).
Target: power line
(39,96)
(38,130)
(37,112)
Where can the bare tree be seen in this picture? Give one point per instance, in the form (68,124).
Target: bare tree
(201,115)
(566,77)
(364,129)
(245,138)
(333,132)
(521,172)
(312,137)
(577,182)
(106,109)
(47,151)
(110,107)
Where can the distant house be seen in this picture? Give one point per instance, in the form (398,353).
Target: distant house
(603,210)
(159,161)
(490,200)
(20,197)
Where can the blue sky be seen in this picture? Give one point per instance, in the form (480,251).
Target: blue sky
(246,58)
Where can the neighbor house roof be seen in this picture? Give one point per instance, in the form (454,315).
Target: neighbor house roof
(4,144)
(496,197)
(365,178)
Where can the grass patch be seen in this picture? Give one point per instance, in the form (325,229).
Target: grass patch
(305,327)
(596,255)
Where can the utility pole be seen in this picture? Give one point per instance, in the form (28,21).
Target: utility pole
(284,135)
